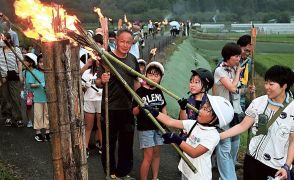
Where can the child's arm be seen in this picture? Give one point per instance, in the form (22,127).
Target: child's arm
(238,129)
(136,110)
(165,119)
(183,114)
(164,111)
(193,152)
(35,85)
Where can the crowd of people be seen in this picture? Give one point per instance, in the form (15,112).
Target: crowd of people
(214,129)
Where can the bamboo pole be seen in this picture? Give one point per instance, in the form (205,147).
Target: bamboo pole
(104,25)
(85,40)
(253,42)
(52,97)
(132,71)
(20,59)
(141,104)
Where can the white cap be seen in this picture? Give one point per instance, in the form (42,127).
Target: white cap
(90,32)
(142,61)
(222,108)
(33,57)
(155,64)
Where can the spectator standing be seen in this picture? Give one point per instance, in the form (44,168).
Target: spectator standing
(149,135)
(7,29)
(245,44)
(227,82)
(92,106)
(121,119)
(11,73)
(37,85)
(270,117)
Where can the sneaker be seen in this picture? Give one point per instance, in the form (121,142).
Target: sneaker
(47,137)
(99,147)
(39,138)
(30,124)
(113,176)
(100,150)
(8,122)
(97,144)
(127,177)
(19,124)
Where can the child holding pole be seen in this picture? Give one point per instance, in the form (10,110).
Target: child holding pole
(201,82)
(202,137)
(149,136)
(40,100)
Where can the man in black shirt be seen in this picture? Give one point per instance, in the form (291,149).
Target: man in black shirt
(121,119)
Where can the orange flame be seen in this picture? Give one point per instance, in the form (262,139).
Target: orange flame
(125,18)
(98,11)
(47,23)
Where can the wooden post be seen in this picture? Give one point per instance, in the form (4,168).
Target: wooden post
(65,112)
(75,109)
(51,92)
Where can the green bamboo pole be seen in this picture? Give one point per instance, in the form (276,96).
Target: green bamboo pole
(86,40)
(132,71)
(141,104)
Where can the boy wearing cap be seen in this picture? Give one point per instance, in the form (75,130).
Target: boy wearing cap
(149,136)
(202,138)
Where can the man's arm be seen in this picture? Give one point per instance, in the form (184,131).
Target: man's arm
(137,84)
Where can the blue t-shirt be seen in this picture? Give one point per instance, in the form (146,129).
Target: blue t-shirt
(39,92)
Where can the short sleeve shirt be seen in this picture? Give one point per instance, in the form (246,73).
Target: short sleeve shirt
(200,135)
(39,92)
(91,94)
(154,98)
(271,149)
(118,97)
(223,72)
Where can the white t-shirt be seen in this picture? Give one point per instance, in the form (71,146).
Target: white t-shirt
(91,94)
(207,137)
(271,149)
(221,90)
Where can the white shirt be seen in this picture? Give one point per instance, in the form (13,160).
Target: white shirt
(221,90)
(207,137)
(91,94)
(135,50)
(271,149)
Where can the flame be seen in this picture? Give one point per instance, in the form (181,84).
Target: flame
(47,23)
(130,25)
(98,11)
(125,18)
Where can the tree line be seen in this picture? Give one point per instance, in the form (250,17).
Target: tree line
(202,11)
